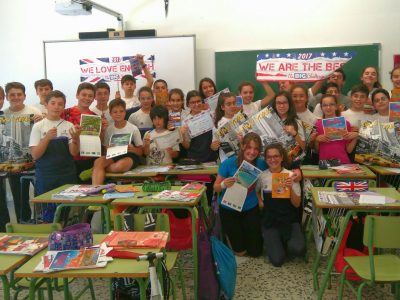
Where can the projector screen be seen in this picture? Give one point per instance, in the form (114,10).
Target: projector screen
(68,63)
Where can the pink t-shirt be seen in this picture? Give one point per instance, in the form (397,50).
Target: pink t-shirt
(333,149)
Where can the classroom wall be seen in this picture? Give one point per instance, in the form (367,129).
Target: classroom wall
(219,25)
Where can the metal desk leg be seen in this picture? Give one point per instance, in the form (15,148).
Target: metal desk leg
(6,287)
(142,288)
(32,289)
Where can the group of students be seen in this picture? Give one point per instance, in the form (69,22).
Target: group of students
(54,142)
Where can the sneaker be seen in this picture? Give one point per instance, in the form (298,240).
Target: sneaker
(86,175)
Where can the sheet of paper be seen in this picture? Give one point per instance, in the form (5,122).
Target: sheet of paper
(371,199)
(118,144)
(90,145)
(169,140)
(235,197)
(394,170)
(200,124)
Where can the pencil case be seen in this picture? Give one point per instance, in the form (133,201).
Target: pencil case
(72,237)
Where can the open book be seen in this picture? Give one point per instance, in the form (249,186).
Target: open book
(89,138)
(22,245)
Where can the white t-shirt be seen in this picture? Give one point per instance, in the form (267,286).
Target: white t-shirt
(157,156)
(99,112)
(382,119)
(40,129)
(354,117)
(252,108)
(41,107)
(307,116)
(264,182)
(128,128)
(141,119)
(131,102)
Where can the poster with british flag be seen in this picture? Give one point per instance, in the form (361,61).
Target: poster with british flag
(351,186)
(111,69)
(300,66)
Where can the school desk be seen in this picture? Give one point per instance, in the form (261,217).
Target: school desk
(9,263)
(144,200)
(114,269)
(80,202)
(328,176)
(386,175)
(348,211)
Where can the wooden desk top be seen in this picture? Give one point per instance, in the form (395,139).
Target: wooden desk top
(332,174)
(385,171)
(388,192)
(116,268)
(46,197)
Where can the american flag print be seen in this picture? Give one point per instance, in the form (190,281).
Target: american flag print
(351,186)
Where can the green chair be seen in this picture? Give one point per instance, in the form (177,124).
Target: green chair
(24,283)
(380,233)
(162,224)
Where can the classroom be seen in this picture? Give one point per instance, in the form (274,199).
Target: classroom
(328,128)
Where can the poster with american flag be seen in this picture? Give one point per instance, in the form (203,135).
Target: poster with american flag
(110,69)
(300,66)
(351,186)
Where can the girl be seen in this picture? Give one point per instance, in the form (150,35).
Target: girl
(246,90)
(380,100)
(141,118)
(337,149)
(395,77)
(369,77)
(155,156)
(243,228)
(281,227)
(300,101)
(207,88)
(176,108)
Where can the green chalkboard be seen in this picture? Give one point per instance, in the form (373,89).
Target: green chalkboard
(233,67)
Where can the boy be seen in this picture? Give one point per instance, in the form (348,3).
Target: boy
(102,95)
(128,84)
(124,162)
(43,87)
(359,96)
(17,112)
(53,142)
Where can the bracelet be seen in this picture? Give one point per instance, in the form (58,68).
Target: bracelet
(223,186)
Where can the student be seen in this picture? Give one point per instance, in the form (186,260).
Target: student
(124,162)
(338,77)
(243,229)
(176,107)
(207,87)
(285,86)
(395,78)
(246,90)
(155,156)
(199,147)
(15,94)
(370,78)
(102,95)
(43,87)
(281,227)
(300,101)
(141,119)
(330,88)
(337,149)
(85,96)
(380,101)
(160,91)
(53,143)
(4,217)
(128,84)
(359,96)
(160,86)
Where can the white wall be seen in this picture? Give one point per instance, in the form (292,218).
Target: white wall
(219,25)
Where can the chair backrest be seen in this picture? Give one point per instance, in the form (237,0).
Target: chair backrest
(139,220)
(382,231)
(32,228)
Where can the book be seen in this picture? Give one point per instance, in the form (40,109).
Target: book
(75,259)
(136,68)
(334,128)
(22,245)
(117,195)
(161,98)
(118,144)
(170,195)
(174,119)
(279,188)
(81,190)
(90,144)
(193,186)
(137,239)
(394,111)
(395,95)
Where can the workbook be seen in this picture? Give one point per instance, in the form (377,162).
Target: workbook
(334,128)
(118,144)
(22,245)
(279,188)
(137,239)
(90,144)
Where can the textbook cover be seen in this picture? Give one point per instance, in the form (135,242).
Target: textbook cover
(136,68)
(22,245)
(395,95)
(118,144)
(137,239)
(75,259)
(161,98)
(279,188)
(394,111)
(334,128)
(174,119)
(90,144)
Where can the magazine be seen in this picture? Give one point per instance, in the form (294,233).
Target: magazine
(90,144)
(394,111)
(136,68)
(279,188)
(246,176)
(199,123)
(22,245)
(334,128)
(168,140)
(118,144)
(137,239)
(181,196)
(174,119)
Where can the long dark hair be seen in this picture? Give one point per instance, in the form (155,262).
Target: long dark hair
(219,113)
(210,81)
(251,136)
(282,152)
(291,118)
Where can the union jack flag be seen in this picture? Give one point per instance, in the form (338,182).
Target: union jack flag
(351,186)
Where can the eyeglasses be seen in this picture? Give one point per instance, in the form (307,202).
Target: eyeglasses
(270,157)
(383,98)
(195,102)
(328,105)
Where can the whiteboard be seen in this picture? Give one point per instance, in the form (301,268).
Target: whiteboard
(174,61)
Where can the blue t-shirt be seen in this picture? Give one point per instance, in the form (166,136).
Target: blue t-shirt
(228,168)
